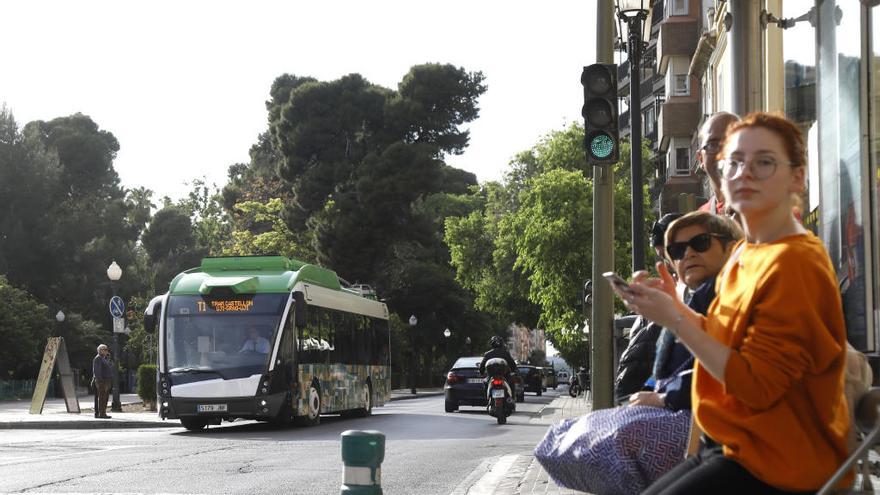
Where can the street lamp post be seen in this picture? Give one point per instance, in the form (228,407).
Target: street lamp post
(634,13)
(114,273)
(446,334)
(414,372)
(467,341)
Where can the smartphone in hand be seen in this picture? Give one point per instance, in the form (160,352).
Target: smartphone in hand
(621,285)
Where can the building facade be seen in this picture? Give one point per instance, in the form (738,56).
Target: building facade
(524,340)
(671,101)
(818,62)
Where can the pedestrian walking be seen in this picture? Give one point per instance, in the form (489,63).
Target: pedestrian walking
(103,377)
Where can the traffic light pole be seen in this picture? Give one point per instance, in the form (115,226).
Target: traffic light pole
(601,350)
(634,54)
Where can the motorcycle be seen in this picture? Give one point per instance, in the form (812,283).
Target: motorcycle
(578,382)
(498,392)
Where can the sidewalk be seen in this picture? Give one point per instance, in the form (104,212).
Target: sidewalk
(521,474)
(15,414)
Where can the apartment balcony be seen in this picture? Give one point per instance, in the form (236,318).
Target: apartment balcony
(658,13)
(678,36)
(679,116)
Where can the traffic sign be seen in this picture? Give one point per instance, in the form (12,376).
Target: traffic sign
(117,307)
(119,325)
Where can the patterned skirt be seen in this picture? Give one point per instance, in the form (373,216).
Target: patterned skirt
(614,451)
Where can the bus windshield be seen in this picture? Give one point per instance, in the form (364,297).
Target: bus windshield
(226,336)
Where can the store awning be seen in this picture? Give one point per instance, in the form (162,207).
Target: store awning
(700,60)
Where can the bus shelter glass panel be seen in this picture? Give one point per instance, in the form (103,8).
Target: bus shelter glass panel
(844,207)
(873,182)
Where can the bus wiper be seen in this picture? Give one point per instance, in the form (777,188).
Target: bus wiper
(196,370)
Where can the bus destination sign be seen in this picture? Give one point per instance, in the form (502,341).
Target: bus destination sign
(226,305)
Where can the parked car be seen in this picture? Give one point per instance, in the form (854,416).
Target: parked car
(465,386)
(532,377)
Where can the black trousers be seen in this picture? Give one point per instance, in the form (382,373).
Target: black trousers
(711,472)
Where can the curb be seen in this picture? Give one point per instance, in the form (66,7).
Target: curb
(108,424)
(82,425)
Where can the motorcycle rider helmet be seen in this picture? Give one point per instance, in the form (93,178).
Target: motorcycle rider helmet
(495,342)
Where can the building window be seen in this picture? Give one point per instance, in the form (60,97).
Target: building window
(679,157)
(677,7)
(677,75)
(682,161)
(649,121)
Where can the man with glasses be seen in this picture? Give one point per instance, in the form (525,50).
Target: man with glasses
(711,134)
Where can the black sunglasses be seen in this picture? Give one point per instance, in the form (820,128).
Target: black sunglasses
(699,243)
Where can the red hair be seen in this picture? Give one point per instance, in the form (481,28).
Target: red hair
(791,135)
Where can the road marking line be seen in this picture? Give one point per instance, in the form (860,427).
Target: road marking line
(60,456)
(487,484)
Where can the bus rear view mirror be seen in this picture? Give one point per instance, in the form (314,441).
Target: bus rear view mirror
(300,314)
(151,314)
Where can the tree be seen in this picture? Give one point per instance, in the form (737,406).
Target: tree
(24,327)
(532,241)
(269,233)
(63,215)
(170,244)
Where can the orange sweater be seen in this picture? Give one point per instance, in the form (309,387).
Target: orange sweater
(781,411)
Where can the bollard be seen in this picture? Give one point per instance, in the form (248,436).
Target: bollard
(362,454)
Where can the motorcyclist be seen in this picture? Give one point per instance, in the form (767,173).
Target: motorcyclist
(497,351)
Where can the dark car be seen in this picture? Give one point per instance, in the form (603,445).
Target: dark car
(533,378)
(465,386)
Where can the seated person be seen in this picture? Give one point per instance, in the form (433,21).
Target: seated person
(255,342)
(625,449)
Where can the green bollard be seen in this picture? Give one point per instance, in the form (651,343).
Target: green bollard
(362,454)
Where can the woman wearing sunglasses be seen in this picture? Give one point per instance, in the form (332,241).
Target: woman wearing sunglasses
(768,383)
(697,245)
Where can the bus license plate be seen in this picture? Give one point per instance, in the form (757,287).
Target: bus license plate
(211,408)
(497,393)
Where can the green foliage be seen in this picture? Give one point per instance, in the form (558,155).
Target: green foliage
(529,247)
(146,382)
(170,244)
(269,233)
(24,327)
(63,215)
(365,167)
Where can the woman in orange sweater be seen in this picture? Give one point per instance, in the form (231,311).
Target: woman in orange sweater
(768,384)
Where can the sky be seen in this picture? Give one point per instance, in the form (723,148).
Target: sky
(183,85)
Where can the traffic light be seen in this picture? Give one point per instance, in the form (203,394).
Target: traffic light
(600,113)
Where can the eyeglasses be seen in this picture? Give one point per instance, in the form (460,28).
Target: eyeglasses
(761,167)
(711,146)
(699,243)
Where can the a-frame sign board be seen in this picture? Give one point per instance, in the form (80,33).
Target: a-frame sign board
(56,351)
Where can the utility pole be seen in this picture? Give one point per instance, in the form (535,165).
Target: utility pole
(601,336)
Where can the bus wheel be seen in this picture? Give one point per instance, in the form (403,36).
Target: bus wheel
(367,410)
(313,416)
(193,424)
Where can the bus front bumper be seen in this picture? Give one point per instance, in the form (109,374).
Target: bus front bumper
(258,407)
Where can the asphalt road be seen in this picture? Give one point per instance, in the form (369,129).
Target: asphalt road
(427,452)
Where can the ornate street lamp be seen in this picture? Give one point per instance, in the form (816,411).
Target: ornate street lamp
(413,321)
(634,13)
(59,316)
(114,273)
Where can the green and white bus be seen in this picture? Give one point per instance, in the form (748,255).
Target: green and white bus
(267,338)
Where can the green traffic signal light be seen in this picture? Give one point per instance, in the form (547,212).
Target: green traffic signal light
(600,113)
(601,146)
